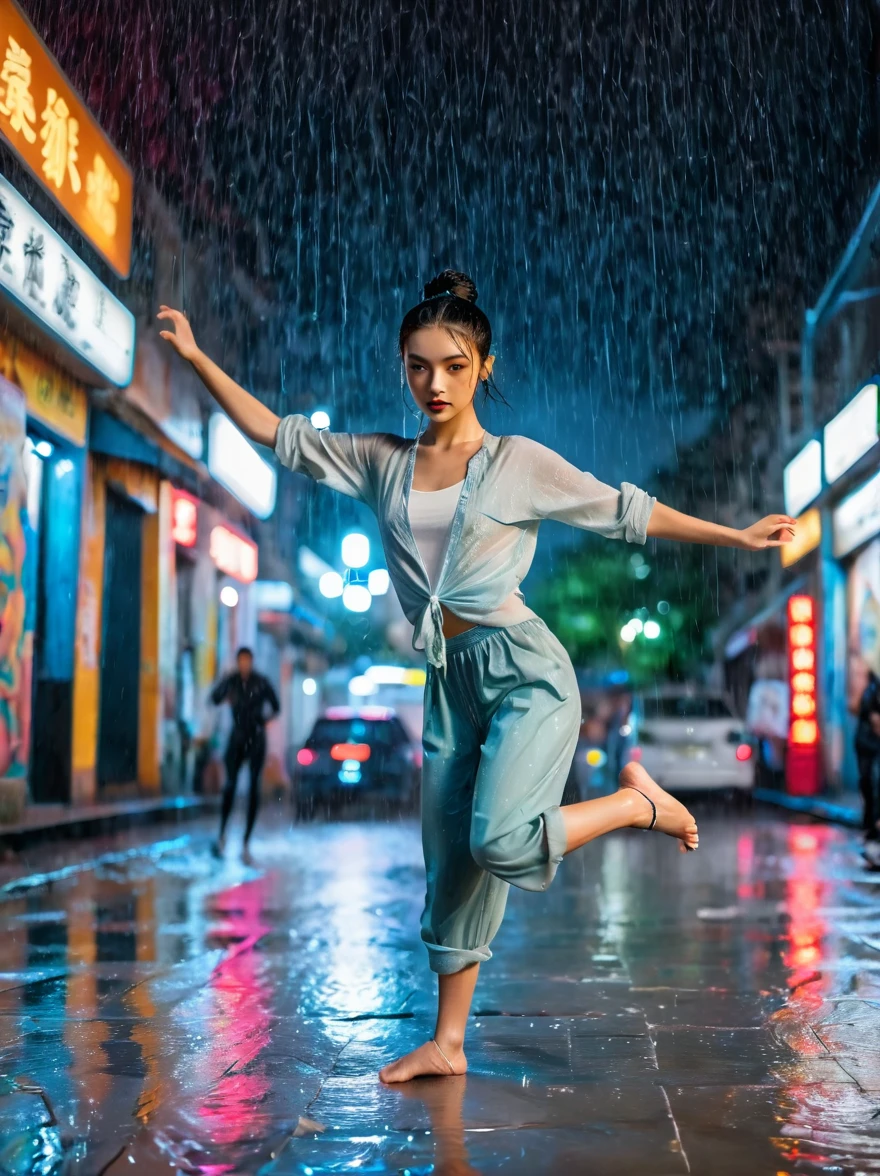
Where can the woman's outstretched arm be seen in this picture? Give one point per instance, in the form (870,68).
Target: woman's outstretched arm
(772,531)
(252,416)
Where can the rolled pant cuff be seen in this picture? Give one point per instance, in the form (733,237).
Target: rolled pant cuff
(447,960)
(557,839)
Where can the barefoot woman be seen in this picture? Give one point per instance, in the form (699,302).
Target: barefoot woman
(459,511)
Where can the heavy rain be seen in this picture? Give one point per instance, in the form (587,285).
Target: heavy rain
(326,845)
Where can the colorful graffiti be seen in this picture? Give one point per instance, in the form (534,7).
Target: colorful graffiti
(17,570)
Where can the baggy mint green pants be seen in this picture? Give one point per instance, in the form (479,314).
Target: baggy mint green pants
(501,726)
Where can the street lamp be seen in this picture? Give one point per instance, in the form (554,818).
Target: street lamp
(357,598)
(652,630)
(355,550)
(331,585)
(378,582)
(320,419)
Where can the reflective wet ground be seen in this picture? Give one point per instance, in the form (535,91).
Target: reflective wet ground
(656,1014)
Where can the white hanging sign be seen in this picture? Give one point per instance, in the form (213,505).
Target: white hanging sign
(851,434)
(44,277)
(802,478)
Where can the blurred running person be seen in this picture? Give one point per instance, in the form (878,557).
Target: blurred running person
(254,703)
(458,512)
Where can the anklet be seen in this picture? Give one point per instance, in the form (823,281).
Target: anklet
(648,828)
(443,1056)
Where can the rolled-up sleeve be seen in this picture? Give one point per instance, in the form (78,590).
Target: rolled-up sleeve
(560,491)
(337,460)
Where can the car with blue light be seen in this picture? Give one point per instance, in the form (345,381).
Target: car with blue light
(356,757)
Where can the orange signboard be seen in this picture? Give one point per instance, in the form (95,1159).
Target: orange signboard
(45,122)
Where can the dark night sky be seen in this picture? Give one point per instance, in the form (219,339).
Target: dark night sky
(626,181)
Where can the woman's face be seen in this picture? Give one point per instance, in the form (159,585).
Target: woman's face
(442,377)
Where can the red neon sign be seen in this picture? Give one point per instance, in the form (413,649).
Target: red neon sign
(184,518)
(802,761)
(234,555)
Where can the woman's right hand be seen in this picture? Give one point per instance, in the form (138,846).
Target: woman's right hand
(181,338)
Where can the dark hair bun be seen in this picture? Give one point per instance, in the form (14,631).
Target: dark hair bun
(452,282)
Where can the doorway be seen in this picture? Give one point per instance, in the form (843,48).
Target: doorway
(121,644)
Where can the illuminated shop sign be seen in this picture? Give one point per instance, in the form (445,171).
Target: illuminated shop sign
(46,124)
(857,519)
(234,555)
(802,478)
(802,671)
(807,537)
(235,463)
(851,434)
(45,278)
(273,595)
(184,518)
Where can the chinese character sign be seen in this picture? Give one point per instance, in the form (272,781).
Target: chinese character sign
(46,123)
(45,278)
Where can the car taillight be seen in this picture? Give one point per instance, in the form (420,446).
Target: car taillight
(743,752)
(305,756)
(635,754)
(350,751)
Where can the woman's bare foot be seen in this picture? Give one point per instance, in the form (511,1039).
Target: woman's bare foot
(427,1060)
(672,817)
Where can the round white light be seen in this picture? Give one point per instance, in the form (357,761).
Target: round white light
(321,419)
(310,686)
(355,550)
(652,630)
(386,675)
(331,585)
(628,633)
(228,596)
(361,686)
(356,598)
(43,448)
(635,624)
(378,582)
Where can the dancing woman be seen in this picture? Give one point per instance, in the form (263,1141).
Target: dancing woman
(458,511)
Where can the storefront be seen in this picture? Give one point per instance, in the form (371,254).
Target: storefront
(63,330)
(214,565)
(856,548)
(834,489)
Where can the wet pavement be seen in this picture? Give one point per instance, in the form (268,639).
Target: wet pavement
(654,1013)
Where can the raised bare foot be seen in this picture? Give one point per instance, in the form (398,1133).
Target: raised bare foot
(672,817)
(425,1061)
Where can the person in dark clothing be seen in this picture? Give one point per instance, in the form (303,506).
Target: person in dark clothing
(250,696)
(868,755)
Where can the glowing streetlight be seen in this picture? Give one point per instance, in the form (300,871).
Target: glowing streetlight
(356,598)
(331,585)
(228,596)
(310,686)
(320,419)
(355,550)
(628,633)
(652,630)
(378,582)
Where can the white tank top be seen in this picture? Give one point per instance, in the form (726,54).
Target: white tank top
(430,516)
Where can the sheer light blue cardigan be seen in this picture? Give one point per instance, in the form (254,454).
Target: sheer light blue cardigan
(512,484)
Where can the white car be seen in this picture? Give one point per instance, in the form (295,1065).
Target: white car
(691,739)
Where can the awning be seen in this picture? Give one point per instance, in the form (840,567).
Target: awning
(747,634)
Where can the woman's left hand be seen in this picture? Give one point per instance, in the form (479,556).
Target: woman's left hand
(772,531)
